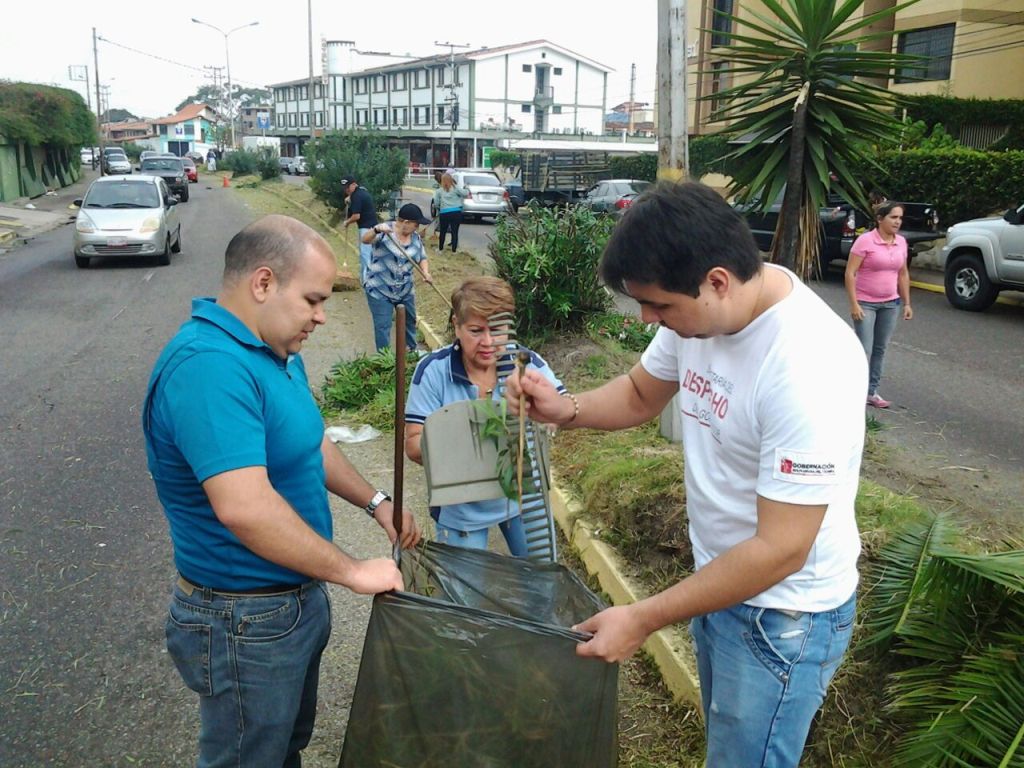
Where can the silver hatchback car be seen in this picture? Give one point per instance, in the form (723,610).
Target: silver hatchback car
(487,196)
(127,216)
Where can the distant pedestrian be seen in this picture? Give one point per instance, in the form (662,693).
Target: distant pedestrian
(363,213)
(236,448)
(389,277)
(878,287)
(211,161)
(448,203)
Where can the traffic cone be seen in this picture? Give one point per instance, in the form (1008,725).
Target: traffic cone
(226,183)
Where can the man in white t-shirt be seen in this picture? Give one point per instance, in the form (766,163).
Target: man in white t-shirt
(771,390)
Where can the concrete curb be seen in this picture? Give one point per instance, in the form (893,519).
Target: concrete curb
(933,288)
(670,647)
(7,234)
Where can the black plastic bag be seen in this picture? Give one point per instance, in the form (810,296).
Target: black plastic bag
(483,673)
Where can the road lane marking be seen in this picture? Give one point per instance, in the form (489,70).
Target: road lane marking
(148,276)
(914,349)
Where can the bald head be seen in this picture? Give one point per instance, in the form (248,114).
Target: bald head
(278,242)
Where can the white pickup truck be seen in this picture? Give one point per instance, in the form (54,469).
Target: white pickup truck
(983,257)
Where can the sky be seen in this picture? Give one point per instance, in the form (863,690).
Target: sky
(170,51)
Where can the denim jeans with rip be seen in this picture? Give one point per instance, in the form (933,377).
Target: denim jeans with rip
(763,676)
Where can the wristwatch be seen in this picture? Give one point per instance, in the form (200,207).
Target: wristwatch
(378,498)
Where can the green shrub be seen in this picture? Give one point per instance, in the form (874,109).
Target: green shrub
(43,114)
(550,259)
(241,162)
(643,167)
(132,151)
(963,183)
(363,155)
(267,164)
(956,113)
(366,386)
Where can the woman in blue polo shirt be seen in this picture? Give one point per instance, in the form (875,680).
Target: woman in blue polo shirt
(468,370)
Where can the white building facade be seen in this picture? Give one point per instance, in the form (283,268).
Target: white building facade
(468,99)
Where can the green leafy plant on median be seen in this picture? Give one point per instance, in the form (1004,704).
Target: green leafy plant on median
(364,388)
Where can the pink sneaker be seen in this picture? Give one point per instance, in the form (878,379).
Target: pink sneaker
(878,401)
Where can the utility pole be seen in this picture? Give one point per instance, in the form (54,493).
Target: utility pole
(453,98)
(632,95)
(96,72)
(673,150)
(309,14)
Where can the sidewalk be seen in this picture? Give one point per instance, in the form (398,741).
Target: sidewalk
(25,218)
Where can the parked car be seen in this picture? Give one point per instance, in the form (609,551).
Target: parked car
(115,161)
(982,257)
(613,196)
(146,153)
(190,169)
(487,196)
(284,163)
(841,224)
(122,216)
(297,165)
(88,153)
(516,193)
(172,171)
(196,157)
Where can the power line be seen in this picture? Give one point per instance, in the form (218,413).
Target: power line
(173,62)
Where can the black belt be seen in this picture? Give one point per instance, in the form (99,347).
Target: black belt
(188,587)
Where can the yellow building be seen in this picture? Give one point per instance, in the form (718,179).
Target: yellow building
(974,49)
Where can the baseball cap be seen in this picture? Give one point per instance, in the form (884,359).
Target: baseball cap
(347,179)
(412,212)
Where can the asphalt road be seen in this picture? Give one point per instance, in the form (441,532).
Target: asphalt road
(85,559)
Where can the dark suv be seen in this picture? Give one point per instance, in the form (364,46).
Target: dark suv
(171,170)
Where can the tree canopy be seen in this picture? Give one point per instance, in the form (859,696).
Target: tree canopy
(362,155)
(209,94)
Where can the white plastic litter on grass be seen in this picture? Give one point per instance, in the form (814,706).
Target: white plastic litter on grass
(345,434)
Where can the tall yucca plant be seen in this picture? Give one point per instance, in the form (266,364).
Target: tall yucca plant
(806,92)
(960,617)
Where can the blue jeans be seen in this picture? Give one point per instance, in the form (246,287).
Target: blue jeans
(365,254)
(763,675)
(874,332)
(382,309)
(512,529)
(255,663)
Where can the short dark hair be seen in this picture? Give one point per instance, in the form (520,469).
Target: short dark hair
(275,241)
(673,235)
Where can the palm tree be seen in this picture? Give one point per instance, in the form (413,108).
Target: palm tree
(959,619)
(808,100)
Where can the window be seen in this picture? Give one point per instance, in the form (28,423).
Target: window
(319,118)
(935,44)
(527,68)
(441,118)
(398,81)
(279,94)
(721,26)
(279,120)
(380,116)
(556,109)
(291,93)
(303,91)
(305,119)
(360,85)
(421,115)
(719,82)
(422,78)
(558,70)
(361,116)
(379,83)
(291,119)
(399,117)
(439,76)
(318,91)
(526,107)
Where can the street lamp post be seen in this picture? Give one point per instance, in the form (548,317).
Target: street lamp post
(227,61)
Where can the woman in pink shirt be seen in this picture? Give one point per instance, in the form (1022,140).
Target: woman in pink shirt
(878,286)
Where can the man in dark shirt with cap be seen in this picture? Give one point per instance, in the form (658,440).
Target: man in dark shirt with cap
(363,213)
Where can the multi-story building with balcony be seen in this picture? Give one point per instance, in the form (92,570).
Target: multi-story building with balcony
(466,99)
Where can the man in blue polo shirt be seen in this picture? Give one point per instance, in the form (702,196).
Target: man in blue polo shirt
(236,448)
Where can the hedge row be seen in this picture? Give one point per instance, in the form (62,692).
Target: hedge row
(962,183)
(706,154)
(42,114)
(953,114)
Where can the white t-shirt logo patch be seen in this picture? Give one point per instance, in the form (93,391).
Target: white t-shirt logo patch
(802,467)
